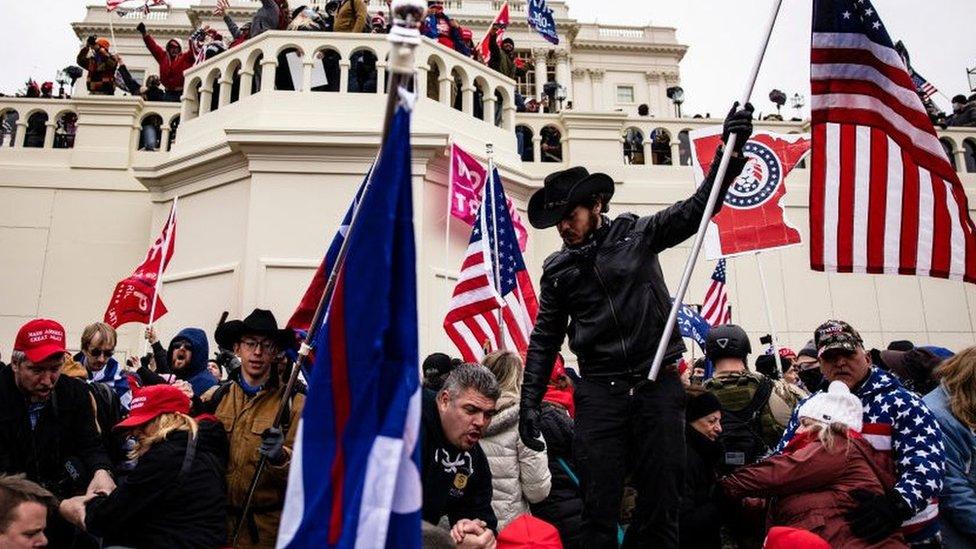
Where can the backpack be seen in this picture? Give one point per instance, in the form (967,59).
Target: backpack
(741,439)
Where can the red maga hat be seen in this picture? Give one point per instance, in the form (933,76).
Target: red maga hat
(40,338)
(148,403)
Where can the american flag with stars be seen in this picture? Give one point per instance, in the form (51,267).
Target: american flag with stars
(883,196)
(923,86)
(716,309)
(897,423)
(472,322)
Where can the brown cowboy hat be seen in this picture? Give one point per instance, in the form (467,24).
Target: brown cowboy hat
(564,190)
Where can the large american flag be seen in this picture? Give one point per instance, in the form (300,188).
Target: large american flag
(472,321)
(883,196)
(716,309)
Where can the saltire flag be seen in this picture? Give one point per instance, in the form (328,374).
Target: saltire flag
(692,325)
(752,218)
(472,322)
(354,479)
(541,20)
(502,20)
(883,196)
(132,300)
(465,181)
(716,309)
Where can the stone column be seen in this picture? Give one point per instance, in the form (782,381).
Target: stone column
(675,151)
(20,134)
(508,117)
(226,88)
(444,92)
(580,75)
(206,96)
(647,148)
(562,73)
(467,100)
(164,140)
(247,81)
(419,83)
(539,58)
(653,81)
(268,67)
(537,148)
(596,78)
(489,109)
(49,128)
(960,155)
(307,66)
(135,137)
(344,75)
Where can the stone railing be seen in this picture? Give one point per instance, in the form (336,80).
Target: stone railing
(37,123)
(343,63)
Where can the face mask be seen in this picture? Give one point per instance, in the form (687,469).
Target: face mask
(812,379)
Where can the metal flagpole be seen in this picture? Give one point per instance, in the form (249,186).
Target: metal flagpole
(404,36)
(723,167)
(447,221)
(159,274)
(490,186)
(769,309)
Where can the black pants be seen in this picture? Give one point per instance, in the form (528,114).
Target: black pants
(640,433)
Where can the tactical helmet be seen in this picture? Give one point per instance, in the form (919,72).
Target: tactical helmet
(727,340)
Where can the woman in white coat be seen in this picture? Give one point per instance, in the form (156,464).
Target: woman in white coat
(519,475)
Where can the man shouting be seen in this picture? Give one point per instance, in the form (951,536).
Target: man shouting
(606,290)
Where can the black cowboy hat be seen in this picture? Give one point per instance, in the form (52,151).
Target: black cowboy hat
(563,190)
(259,322)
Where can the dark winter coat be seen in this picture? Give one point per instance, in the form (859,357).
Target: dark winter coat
(65,433)
(700,520)
(456,483)
(101,71)
(161,504)
(814,487)
(196,373)
(268,17)
(170,69)
(609,295)
(965,117)
(564,506)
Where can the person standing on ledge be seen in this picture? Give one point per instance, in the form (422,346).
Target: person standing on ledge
(606,290)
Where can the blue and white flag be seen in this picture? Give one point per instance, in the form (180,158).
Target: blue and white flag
(691,324)
(541,20)
(355,471)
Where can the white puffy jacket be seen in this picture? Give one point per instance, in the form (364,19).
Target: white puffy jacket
(519,475)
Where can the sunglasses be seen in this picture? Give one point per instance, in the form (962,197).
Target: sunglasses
(107,353)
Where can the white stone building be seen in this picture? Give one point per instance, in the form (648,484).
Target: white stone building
(264,175)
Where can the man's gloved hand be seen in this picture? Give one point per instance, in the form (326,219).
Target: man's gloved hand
(141,27)
(877,516)
(529,419)
(738,122)
(273,445)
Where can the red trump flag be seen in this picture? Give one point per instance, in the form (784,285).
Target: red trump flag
(133,298)
(752,218)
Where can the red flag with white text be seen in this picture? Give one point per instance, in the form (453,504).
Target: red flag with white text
(502,20)
(133,297)
(465,180)
(752,217)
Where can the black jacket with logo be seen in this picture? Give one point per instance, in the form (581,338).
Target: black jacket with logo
(456,483)
(609,294)
(64,449)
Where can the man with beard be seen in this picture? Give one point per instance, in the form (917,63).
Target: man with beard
(187,359)
(456,476)
(246,403)
(606,290)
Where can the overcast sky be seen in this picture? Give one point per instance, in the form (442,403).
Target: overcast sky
(723,36)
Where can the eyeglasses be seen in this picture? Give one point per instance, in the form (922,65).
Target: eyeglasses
(251,344)
(107,353)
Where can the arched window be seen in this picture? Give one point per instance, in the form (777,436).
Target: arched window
(684,148)
(947,146)
(235,86)
(174,124)
(151,133)
(213,82)
(661,147)
(457,85)
(433,80)
(36,130)
(8,127)
(362,72)
(969,153)
(552,145)
(65,130)
(499,108)
(633,146)
(327,72)
(523,137)
(256,70)
(288,74)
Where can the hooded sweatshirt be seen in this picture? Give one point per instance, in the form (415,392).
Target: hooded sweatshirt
(170,69)
(196,373)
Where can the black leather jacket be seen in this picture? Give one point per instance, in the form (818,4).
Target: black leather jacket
(609,294)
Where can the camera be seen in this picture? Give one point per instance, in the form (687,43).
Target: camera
(766,339)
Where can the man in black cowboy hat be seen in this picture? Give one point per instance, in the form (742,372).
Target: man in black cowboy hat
(605,289)
(246,404)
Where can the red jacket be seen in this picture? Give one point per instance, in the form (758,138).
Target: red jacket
(170,70)
(813,486)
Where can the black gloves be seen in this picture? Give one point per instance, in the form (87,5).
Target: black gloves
(91,40)
(877,516)
(738,122)
(141,27)
(273,445)
(529,430)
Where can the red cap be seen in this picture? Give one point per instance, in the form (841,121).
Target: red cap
(39,339)
(783,537)
(786,352)
(148,403)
